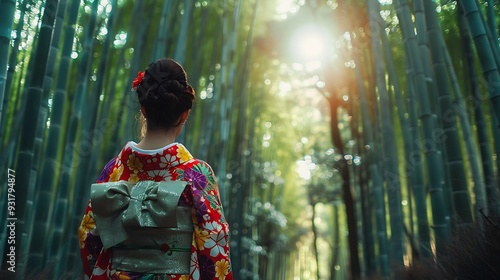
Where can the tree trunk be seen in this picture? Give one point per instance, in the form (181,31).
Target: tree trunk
(346,192)
(315,239)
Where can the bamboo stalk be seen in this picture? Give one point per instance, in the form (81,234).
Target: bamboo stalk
(448,120)
(43,198)
(94,131)
(474,91)
(238,192)
(376,184)
(484,52)
(8,62)
(75,147)
(25,155)
(6,22)
(391,173)
(432,152)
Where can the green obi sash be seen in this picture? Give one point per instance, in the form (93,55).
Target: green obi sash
(148,231)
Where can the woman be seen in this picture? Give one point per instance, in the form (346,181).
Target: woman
(156,162)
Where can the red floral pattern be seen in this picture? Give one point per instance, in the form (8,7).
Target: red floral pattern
(210,245)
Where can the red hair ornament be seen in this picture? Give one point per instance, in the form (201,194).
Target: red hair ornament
(137,81)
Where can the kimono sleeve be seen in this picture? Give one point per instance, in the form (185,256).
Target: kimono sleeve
(211,229)
(90,242)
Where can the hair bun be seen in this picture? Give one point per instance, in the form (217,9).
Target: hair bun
(165,94)
(171,86)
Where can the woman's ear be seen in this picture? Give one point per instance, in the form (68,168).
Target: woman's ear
(143,111)
(185,115)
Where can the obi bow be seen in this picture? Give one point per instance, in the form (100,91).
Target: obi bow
(120,205)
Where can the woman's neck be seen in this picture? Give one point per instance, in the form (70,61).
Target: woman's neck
(156,139)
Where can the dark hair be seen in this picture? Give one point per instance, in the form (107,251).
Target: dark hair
(165,94)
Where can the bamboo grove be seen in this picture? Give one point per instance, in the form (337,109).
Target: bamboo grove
(396,128)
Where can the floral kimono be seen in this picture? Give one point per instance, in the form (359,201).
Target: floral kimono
(210,242)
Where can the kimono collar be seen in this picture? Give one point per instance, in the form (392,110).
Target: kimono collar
(171,155)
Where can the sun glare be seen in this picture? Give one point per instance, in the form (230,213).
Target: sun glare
(309,44)
(304,167)
(311,47)
(303,170)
